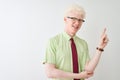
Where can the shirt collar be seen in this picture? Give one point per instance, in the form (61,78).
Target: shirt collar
(67,36)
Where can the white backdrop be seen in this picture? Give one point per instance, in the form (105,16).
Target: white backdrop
(26,25)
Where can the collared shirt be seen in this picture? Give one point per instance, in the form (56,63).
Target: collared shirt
(59,52)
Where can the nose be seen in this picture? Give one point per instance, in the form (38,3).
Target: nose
(77,22)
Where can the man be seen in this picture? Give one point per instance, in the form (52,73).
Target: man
(64,63)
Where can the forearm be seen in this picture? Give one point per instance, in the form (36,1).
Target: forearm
(56,73)
(53,72)
(90,67)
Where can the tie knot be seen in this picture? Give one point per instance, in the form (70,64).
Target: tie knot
(71,39)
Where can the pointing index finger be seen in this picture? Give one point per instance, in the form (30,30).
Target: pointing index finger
(104,31)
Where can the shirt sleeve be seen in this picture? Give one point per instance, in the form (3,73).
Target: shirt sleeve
(50,52)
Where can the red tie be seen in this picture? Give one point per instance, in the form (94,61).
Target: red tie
(74,58)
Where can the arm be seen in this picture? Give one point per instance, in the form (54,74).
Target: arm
(53,72)
(91,65)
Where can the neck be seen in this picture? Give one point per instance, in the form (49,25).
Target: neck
(70,34)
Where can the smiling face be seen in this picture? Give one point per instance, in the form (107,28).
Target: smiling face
(73,22)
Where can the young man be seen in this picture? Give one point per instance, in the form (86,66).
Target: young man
(67,56)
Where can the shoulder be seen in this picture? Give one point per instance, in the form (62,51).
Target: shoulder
(55,38)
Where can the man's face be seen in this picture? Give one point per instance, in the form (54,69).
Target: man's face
(73,22)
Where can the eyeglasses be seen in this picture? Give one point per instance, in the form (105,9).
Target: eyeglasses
(76,19)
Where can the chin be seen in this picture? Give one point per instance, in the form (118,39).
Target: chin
(74,32)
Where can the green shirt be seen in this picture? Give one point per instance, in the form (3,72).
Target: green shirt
(59,52)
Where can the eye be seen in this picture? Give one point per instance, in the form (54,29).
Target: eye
(81,20)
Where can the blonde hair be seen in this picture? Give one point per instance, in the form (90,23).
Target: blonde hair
(75,8)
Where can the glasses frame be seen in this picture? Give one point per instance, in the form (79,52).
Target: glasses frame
(74,18)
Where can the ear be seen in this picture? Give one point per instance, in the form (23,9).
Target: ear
(65,19)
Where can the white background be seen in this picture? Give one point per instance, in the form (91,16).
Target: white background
(26,25)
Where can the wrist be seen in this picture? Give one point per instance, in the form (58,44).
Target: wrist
(99,49)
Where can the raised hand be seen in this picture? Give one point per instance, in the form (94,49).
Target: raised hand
(103,39)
